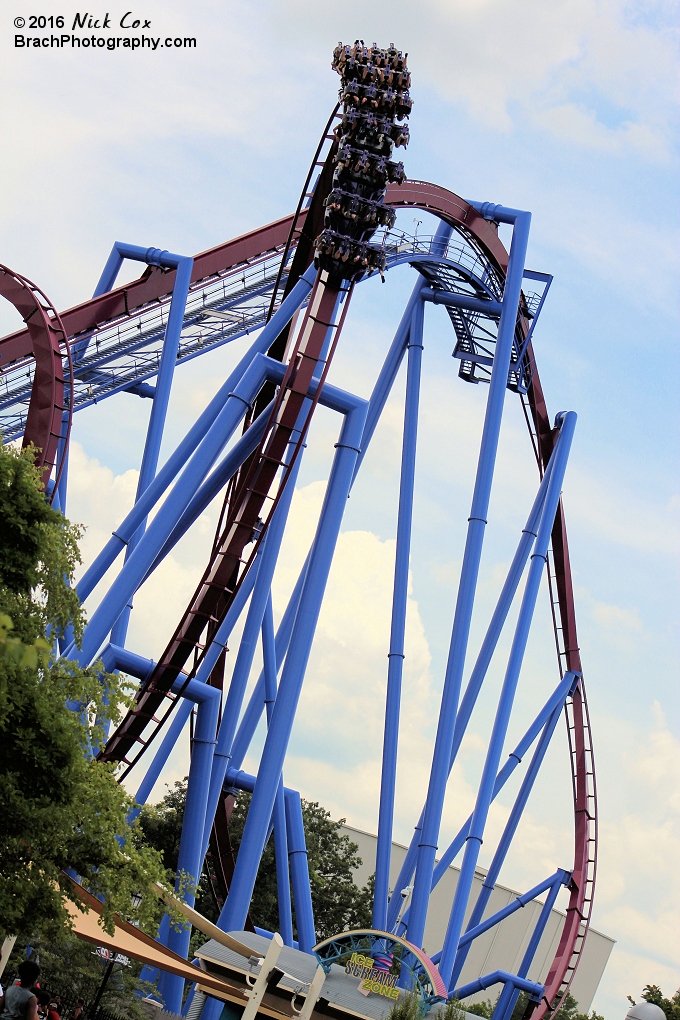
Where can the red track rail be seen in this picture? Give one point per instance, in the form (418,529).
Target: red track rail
(154,285)
(483,235)
(44,337)
(582,888)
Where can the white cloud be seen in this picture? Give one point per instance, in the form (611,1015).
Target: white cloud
(97,499)
(573,123)
(638,898)
(601,506)
(618,626)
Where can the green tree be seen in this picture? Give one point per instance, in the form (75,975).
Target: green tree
(409,1007)
(671,1007)
(568,1010)
(484,1008)
(59,808)
(339,904)
(453,1011)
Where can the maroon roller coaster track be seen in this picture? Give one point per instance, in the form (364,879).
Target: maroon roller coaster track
(47,336)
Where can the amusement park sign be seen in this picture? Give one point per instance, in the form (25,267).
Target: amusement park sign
(385,964)
(373,980)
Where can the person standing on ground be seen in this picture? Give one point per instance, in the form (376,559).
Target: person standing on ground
(19,1002)
(78,1011)
(43,998)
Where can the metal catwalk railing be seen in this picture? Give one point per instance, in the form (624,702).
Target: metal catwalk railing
(125,352)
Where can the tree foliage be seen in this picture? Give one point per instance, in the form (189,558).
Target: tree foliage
(339,904)
(484,1008)
(671,1007)
(568,1009)
(59,808)
(409,1007)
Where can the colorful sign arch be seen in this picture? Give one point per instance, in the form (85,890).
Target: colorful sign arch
(384,963)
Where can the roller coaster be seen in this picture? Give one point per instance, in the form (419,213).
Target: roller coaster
(289,284)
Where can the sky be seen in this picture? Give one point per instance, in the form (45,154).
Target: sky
(568,109)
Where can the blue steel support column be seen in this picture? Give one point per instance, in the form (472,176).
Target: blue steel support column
(255,706)
(297,853)
(248,644)
(468,581)
(190,860)
(477,676)
(479,671)
(485,793)
(62,455)
(106,282)
(510,994)
(381,392)
(214,483)
(257,823)
(299,871)
(556,700)
(560,877)
(217,645)
(279,817)
(183,266)
(388,372)
(161,398)
(398,628)
(135,569)
(196,434)
(535,990)
(505,840)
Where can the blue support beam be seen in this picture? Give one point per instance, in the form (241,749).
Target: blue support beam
(194,437)
(515,757)
(559,878)
(398,626)
(534,990)
(567,424)
(429,836)
(279,816)
(390,368)
(256,704)
(510,994)
(234,912)
(251,632)
(299,872)
(190,856)
(181,714)
(506,839)
(479,672)
(166,370)
(145,552)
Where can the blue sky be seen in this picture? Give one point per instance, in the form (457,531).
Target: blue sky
(567,109)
